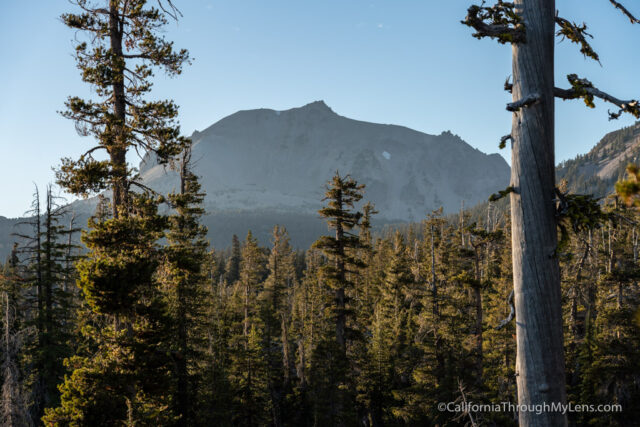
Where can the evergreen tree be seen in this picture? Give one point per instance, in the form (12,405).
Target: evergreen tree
(311,321)
(341,250)
(233,264)
(125,376)
(122,376)
(183,279)
(123,45)
(248,368)
(276,318)
(49,257)
(391,353)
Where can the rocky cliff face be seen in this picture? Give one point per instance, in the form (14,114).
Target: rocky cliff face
(280,161)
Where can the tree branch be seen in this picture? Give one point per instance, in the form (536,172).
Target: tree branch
(503,141)
(512,313)
(508,86)
(577,34)
(625,12)
(583,88)
(499,22)
(527,101)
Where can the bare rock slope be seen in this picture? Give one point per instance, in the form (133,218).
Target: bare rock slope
(280,161)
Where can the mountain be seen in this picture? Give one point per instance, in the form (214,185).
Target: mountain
(280,161)
(265,167)
(597,171)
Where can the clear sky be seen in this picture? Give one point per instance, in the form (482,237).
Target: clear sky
(406,62)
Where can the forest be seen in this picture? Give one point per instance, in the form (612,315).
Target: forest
(248,335)
(134,319)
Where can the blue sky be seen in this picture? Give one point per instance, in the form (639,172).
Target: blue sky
(406,62)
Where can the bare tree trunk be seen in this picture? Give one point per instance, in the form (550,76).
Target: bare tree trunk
(536,274)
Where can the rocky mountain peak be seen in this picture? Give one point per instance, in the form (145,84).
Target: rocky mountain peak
(280,161)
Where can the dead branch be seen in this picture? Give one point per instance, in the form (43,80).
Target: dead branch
(466,411)
(511,315)
(508,86)
(503,141)
(625,12)
(527,101)
(583,88)
(499,22)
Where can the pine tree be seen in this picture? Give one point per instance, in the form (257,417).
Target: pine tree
(311,321)
(48,252)
(216,405)
(276,318)
(233,264)
(122,48)
(124,379)
(609,363)
(248,369)
(123,376)
(342,193)
(183,280)
(392,357)
(481,242)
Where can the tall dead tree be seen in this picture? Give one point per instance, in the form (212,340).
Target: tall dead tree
(530,27)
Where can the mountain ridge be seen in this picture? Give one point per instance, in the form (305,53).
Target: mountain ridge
(289,155)
(264,167)
(597,171)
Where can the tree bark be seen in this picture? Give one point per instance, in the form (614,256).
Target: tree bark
(536,274)
(118,147)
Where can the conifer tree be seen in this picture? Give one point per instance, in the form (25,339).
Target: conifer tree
(48,254)
(276,318)
(311,321)
(233,264)
(391,356)
(123,374)
(608,364)
(124,379)
(480,241)
(342,194)
(183,279)
(248,370)
(215,405)
(123,45)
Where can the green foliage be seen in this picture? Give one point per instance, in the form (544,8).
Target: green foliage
(118,272)
(629,189)
(499,21)
(578,212)
(577,34)
(117,52)
(579,87)
(183,278)
(125,375)
(124,372)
